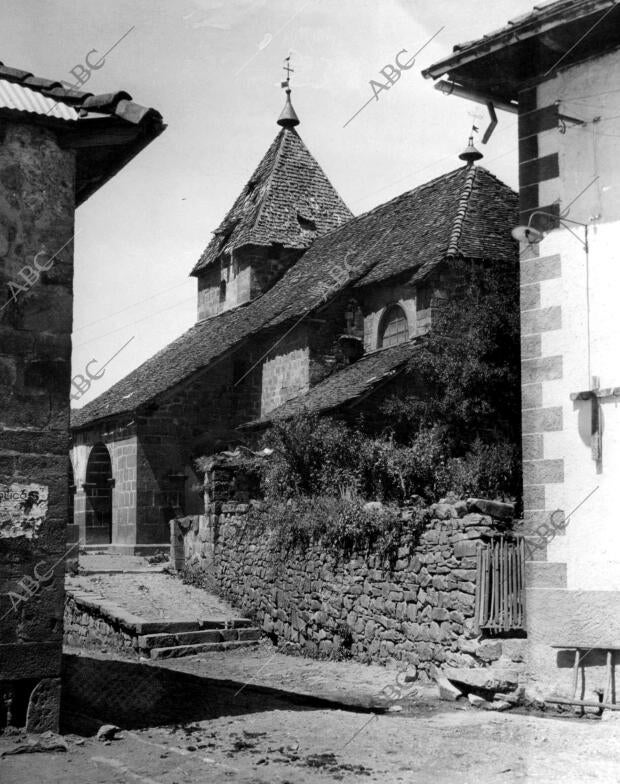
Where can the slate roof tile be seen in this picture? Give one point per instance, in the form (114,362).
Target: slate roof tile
(463,213)
(410,234)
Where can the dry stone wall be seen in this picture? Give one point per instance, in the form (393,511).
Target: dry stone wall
(86,626)
(419,608)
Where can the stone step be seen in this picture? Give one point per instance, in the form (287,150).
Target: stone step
(545,574)
(176,651)
(495,678)
(127,549)
(150,641)
(171,626)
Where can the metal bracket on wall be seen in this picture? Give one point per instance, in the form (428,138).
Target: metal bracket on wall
(563,119)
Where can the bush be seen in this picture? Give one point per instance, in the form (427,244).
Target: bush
(342,523)
(312,457)
(469,368)
(488,470)
(320,458)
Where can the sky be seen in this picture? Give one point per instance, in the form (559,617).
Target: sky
(213,69)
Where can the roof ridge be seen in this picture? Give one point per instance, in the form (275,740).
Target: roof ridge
(461,211)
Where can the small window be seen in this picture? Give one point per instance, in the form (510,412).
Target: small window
(393,328)
(222,290)
(306,223)
(354,319)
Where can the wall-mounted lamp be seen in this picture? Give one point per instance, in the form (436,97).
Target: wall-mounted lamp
(533,236)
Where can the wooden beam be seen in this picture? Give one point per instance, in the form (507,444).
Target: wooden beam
(601,393)
(585,703)
(599,646)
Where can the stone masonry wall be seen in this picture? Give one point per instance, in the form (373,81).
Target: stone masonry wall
(247,274)
(420,611)
(286,371)
(36,225)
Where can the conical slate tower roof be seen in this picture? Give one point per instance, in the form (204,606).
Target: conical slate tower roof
(288,200)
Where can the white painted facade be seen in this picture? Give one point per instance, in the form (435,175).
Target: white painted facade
(588,340)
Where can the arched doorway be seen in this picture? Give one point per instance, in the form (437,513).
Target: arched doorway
(98,488)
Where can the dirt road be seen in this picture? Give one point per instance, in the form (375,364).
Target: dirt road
(302,746)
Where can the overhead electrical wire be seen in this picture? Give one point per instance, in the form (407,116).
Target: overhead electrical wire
(137,321)
(128,307)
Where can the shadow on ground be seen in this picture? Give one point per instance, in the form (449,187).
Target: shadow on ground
(135,695)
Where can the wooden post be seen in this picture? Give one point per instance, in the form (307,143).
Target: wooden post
(607,695)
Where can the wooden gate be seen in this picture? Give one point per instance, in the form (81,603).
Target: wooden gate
(500,600)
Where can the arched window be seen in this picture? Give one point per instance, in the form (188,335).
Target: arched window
(393,328)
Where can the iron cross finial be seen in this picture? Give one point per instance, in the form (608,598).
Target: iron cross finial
(287,67)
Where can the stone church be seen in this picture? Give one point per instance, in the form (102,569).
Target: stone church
(300,305)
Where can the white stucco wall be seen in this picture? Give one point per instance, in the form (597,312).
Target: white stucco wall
(588,292)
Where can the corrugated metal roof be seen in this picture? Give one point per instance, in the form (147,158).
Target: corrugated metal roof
(23,99)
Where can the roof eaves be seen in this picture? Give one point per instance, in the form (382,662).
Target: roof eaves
(106,103)
(544,19)
(375,383)
(22,91)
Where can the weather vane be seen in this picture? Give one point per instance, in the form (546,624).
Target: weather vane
(287,67)
(477,118)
